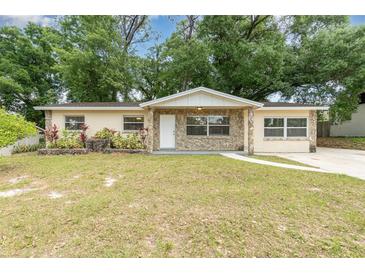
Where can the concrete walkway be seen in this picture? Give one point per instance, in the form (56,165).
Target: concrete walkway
(345,161)
(195,152)
(268,163)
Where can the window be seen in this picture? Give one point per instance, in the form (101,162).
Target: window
(133,122)
(74,122)
(207,125)
(296,127)
(196,125)
(285,127)
(274,127)
(218,125)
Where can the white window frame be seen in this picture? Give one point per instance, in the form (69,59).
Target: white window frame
(285,127)
(207,125)
(83,116)
(133,116)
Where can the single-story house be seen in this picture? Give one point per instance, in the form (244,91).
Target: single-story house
(354,127)
(199,119)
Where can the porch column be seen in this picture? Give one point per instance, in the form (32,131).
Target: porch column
(150,119)
(312,131)
(250,139)
(48,118)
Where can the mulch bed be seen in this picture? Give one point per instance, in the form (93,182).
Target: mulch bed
(339,142)
(118,150)
(62,151)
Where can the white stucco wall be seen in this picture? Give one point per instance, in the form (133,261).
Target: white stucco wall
(96,119)
(353,127)
(294,144)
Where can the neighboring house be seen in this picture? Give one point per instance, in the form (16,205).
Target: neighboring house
(199,119)
(353,127)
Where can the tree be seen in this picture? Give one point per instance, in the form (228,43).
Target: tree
(133,29)
(247,54)
(325,63)
(185,59)
(27,77)
(93,64)
(149,74)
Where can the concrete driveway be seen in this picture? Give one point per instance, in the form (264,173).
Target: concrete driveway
(345,161)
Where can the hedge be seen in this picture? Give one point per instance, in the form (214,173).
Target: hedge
(14,127)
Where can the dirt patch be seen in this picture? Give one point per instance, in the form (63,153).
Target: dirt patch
(109,181)
(342,142)
(17,179)
(15,192)
(55,195)
(314,189)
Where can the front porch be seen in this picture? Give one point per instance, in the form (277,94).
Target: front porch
(201,119)
(169,131)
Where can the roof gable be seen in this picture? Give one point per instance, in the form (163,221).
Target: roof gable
(201,97)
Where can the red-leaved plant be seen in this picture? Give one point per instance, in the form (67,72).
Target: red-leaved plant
(51,134)
(83,136)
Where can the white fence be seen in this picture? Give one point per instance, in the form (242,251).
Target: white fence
(32,140)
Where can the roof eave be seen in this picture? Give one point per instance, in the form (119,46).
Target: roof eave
(86,108)
(211,91)
(296,108)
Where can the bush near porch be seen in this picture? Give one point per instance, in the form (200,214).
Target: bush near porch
(14,127)
(105,205)
(342,142)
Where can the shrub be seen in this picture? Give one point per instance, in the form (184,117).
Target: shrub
(83,135)
(14,127)
(131,141)
(105,133)
(51,135)
(69,140)
(27,148)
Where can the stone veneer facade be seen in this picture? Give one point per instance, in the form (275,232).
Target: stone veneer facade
(312,131)
(235,140)
(48,118)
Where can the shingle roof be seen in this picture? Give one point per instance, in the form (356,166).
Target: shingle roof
(96,104)
(137,104)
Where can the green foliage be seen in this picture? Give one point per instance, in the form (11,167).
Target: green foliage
(149,74)
(27,76)
(328,67)
(131,141)
(186,64)
(93,64)
(309,59)
(27,148)
(14,127)
(247,54)
(69,140)
(105,133)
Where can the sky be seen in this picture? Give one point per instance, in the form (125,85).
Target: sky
(162,26)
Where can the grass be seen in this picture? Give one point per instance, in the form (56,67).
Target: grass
(281,160)
(342,142)
(177,206)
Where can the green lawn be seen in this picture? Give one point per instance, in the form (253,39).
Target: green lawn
(278,159)
(176,206)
